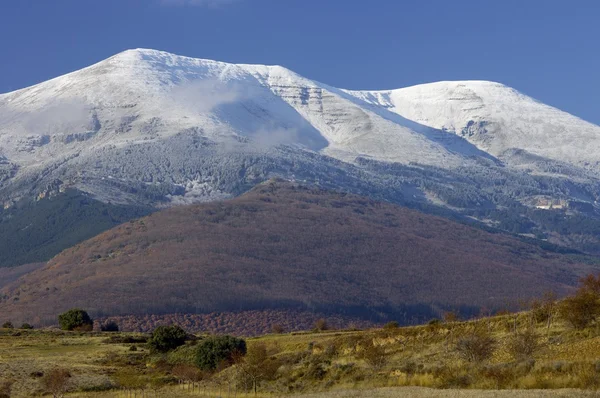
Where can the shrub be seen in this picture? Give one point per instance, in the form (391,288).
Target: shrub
(7,325)
(109,326)
(75,319)
(450,317)
(26,326)
(542,309)
(321,325)
(6,388)
(56,382)
(581,309)
(391,325)
(167,338)
(374,356)
(476,347)
(277,329)
(187,373)
(218,351)
(523,345)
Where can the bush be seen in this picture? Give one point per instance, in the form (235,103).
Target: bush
(581,309)
(56,382)
(6,388)
(167,338)
(277,329)
(476,347)
(75,319)
(321,325)
(110,326)
(523,345)
(374,356)
(7,325)
(218,351)
(26,326)
(391,325)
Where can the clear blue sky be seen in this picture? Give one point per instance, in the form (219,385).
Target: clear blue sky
(547,49)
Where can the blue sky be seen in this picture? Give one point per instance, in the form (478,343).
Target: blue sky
(547,49)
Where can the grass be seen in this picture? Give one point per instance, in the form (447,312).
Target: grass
(420,361)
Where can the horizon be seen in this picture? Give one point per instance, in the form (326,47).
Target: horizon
(545,50)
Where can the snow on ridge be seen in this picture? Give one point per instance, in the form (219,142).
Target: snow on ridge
(144,94)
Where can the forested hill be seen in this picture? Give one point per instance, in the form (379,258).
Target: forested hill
(283,245)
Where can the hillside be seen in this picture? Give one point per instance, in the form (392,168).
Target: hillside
(37,231)
(419,361)
(285,246)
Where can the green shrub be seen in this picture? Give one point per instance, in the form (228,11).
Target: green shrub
(218,351)
(167,338)
(7,325)
(26,326)
(75,319)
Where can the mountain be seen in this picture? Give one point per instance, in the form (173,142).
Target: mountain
(496,119)
(284,246)
(147,128)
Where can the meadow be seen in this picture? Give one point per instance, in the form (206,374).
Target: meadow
(418,361)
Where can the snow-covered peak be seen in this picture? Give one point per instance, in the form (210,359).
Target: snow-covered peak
(495,118)
(145,95)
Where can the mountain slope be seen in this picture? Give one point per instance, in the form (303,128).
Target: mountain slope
(495,118)
(152,129)
(289,247)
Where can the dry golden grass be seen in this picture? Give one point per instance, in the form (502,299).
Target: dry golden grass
(326,364)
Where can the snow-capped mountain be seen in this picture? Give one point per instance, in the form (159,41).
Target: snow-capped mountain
(147,126)
(495,118)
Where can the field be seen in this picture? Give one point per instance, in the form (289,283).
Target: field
(421,361)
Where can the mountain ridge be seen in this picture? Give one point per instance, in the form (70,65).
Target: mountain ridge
(152,129)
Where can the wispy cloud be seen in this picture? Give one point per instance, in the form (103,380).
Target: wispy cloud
(197,3)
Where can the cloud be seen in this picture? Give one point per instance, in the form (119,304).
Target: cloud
(61,117)
(203,96)
(197,3)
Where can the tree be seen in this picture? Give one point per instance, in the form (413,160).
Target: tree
(56,382)
(187,374)
(109,326)
(26,326)
(219,351)
(476,347)
(167,338)
(257,365)
(7,325)
(75,319)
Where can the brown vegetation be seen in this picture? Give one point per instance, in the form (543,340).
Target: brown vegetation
(56,382)
(240,323)
(283,246)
